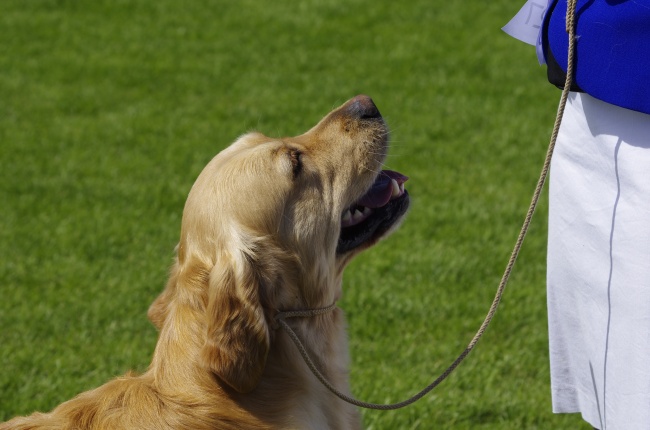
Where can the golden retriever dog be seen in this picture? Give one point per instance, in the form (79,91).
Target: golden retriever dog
(268,227)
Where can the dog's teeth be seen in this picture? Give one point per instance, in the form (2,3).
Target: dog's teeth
(396,188)
(366,211)
(357,216)
(347,216)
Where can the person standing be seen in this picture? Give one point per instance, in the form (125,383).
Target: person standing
(598,262)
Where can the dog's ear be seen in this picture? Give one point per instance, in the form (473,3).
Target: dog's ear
(159,309)
(237,341)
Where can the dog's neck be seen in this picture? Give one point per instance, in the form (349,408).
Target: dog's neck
(175,365)
(326,343)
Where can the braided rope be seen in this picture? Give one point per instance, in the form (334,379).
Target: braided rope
(304,313)
(570,25)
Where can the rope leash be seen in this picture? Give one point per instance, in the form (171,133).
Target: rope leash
(280,318)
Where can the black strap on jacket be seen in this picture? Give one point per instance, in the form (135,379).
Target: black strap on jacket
(556,75)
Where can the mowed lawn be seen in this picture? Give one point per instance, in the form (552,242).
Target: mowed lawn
(110,109)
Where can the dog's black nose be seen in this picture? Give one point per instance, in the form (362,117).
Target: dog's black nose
(362,107)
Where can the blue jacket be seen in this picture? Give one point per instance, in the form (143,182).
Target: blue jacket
(612,60)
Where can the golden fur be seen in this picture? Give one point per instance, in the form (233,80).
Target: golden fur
(259,235)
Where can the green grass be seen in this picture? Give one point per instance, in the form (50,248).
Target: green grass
(109,110)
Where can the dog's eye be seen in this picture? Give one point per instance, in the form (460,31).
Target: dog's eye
(296,161)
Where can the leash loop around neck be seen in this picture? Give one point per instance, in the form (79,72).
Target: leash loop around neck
(304,313)
(280,317)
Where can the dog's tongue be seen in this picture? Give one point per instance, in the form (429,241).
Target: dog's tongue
(382,190)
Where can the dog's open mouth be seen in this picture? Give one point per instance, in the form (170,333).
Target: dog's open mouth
(372,216)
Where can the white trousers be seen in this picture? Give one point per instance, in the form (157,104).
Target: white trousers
(598,276)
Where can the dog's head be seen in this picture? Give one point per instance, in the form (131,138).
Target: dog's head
(270,224)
